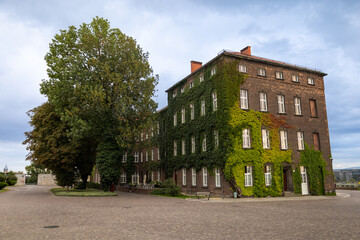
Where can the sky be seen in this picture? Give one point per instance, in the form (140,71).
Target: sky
(318,34)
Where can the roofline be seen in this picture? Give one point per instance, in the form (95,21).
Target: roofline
(251,58)
(162,109)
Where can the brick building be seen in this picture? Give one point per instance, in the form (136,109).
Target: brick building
(190,140)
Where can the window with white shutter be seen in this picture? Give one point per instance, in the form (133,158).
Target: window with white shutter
(244,103)
(268,175)
(263,102)
(265,138)
(281,103)
(248,176)
(297,102)
(283,140)
(246,138)
(300,138)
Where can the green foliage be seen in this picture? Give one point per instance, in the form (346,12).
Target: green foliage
(64,177)
(167,187)
(315,169)
(108,161)
(34,170)
(3,185)
(93,185)
(9,178)
(81,193)
(297,180)
(2,177)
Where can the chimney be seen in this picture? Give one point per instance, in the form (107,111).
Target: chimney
(246,50)
(195,66)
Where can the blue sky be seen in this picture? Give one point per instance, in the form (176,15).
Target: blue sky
(317,34)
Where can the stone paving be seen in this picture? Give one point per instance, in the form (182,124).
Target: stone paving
(25,211)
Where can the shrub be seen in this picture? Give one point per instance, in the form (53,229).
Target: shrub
(167,187)
(93,185)
(2,177)
(3,185)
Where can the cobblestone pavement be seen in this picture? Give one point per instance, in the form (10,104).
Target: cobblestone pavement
(25,211)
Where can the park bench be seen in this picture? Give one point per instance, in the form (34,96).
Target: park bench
(206,194)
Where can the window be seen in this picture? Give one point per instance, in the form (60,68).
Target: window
(192,144)
(244,103)
(136,157)
(158,127)
(217,177)
(183,147)
(191,84)
(313,109)
(300,138)
(183,115)
(175,149)
(147,155)
(265,138)
(146,136)
(213,71)
(263,102)
(174,93)
(311,81)
(295,78)
(242,68)
(159,176)
(158,152)
(175,119)
(152,131)
(262,72)
(184,176)
(135,178)
(202,110)
(182,90)
(248,176)
(216,139)
(279,75)
(205,176)
(152,154)
(297,102)
(267,175)
(246,138)
(201,78)
(204,143)
(142,136)
(192,113)
(123,177)
(193,176)
(141,157)
(281,103)
(316,141)
(124,157)
(283,140)
(214,98)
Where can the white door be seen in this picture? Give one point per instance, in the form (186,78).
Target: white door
(304,183)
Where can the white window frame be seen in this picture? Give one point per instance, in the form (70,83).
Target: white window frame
(262,72)
(152,154)
(193,145)
(159,175)
(202,110)
(175,148)
(123,177)
(268,177)
(217,177)
(175,119)
(182,90)
(203,145)
(300,139)
(174,93)
(158,154)
(244,99)
(152,131)
(263,102)
(281,104)
(279,75)
(311,81)
(158,128)
(297,103)
(191,84)
(183,146)
(295,78)
(146,155)
(135,178)
(183,115)
(146,136)
(124,157)
(201,78)
(246,138)
(265,138)
(193,176)
(141,156)
(216,138)
(142,136)
(214,98)
(184,176)
(205,176)
(242,68)
(248,176)
(213,71)
(283,140)
(136,157)
(192,111)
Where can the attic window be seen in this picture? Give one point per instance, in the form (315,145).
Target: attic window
(182,90)
(191,84)
(174,93)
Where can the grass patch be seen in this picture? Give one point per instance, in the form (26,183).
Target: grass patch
(82,192)
(177,196)
(4,190)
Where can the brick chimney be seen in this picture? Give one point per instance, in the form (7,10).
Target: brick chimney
(246,50)
(195,66)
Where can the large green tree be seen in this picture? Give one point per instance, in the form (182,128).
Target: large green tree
(101,84)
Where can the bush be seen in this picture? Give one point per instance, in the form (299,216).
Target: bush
(3,185)
(167,187)
(93,185)
(2,177)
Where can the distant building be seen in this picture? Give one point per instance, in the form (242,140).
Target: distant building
(6,170)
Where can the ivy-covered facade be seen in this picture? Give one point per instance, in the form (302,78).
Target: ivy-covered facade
(244,124)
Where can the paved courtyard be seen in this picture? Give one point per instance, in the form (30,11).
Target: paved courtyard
(26,211)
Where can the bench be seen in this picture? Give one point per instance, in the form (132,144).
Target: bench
(206,194)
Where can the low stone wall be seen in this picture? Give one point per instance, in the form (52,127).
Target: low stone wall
(20,180)
(46,180)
